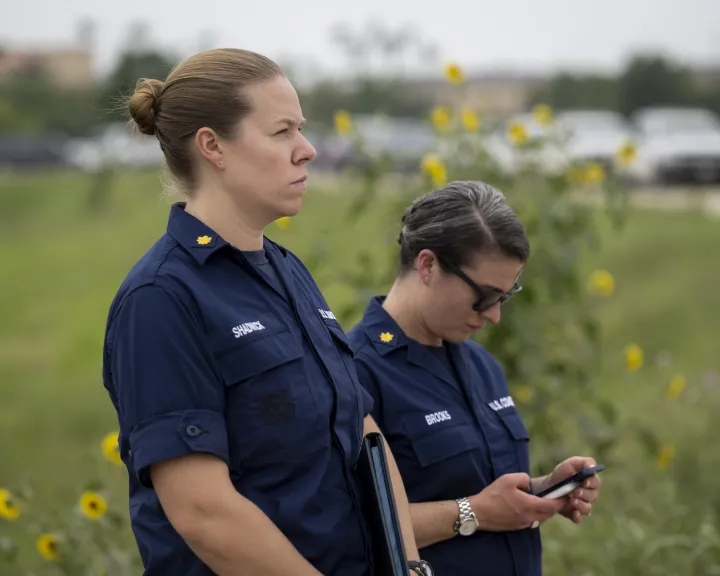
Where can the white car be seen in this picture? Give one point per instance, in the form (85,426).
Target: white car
(594,136)
(551,157)
(676,145)
(574,137)
(115,144)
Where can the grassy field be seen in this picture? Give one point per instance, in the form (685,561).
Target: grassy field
(60,268)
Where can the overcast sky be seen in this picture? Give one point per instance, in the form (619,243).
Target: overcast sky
(480,34)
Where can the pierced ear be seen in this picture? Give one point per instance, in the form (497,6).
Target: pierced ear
(208,144)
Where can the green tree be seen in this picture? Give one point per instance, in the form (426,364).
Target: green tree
(655,81)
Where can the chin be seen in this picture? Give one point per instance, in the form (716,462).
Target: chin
(291,207)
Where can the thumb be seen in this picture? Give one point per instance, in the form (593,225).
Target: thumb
(548,506)
(518,480)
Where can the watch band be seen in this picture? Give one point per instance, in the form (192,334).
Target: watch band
(420,567)
(466,511)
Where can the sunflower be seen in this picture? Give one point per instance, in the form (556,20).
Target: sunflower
(47,546)
(92,505)
(110,448)
(8,508)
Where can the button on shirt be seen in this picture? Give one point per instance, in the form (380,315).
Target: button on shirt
(236,354)
(453,429)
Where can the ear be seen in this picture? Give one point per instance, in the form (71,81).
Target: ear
(426,263)
(208,144)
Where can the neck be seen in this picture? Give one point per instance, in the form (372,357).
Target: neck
(401,304)
(221,214)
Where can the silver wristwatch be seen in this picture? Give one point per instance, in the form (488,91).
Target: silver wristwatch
(467,522)
(420,567)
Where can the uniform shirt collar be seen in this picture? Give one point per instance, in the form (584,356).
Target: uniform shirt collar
(197,238)
(385,334)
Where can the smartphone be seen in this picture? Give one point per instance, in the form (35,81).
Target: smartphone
(566,486)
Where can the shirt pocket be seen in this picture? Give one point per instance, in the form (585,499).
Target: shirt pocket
(520,440)
(271,411)
(439,442)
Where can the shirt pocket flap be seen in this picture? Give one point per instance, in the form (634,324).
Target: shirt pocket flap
(514,424)
(339,337)
(442,439)
(257,353)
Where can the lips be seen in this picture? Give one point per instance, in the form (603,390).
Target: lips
(300,180)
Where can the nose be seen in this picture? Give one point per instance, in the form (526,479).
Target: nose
(305,152)
(492,314)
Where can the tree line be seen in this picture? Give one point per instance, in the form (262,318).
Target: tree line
(30,104)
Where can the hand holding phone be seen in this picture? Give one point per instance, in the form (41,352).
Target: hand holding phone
(564,487)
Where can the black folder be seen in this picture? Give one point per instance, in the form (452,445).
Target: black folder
(379,509)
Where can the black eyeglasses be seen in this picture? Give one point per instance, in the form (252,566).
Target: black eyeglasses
(488,296)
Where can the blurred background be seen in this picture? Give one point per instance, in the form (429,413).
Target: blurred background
(600,122)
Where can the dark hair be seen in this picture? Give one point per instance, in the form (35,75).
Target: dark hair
(204,91)
(459,222)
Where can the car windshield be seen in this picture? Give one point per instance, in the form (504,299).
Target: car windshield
(678,122)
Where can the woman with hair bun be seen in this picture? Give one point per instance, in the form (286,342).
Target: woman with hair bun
(240,411)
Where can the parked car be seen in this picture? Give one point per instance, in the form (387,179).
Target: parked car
(594,136)
(114,144)
(574,137)
(676,145)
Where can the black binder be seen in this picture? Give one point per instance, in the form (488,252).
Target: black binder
(379,509)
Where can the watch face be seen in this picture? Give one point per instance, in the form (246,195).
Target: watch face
(468,527)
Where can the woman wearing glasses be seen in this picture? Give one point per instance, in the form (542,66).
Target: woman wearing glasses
(442,401)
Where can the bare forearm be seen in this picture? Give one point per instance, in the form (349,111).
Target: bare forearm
(235,538)
(401,501)
(433,521)
(406,523)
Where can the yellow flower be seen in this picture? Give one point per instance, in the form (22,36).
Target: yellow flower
(386,337)
(110,448)
(676,387)
(8,508)
(602,282)
(517,133)
(343,122)
(454,74)
(441,119)
(92,505)
(594,173)
(542,113)
(283,223)
(627,154)
(47,545)
(523,393)
(470,120)
(434,167)
(633,358)
(666,456)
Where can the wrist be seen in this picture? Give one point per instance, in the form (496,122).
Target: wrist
(477,503)
(466,523)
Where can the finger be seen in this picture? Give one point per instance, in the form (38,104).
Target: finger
(592,482)
(588,495)
(546,508)
(581,506)
(576,516)
(586,462)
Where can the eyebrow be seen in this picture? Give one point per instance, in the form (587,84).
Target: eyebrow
(292,121)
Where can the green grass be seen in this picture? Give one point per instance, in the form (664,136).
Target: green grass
(62,265)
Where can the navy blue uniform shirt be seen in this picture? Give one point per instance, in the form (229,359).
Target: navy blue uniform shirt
(212,350)
(453,429)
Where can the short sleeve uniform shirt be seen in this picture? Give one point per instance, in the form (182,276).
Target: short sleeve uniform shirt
(236,354)
(453,429)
